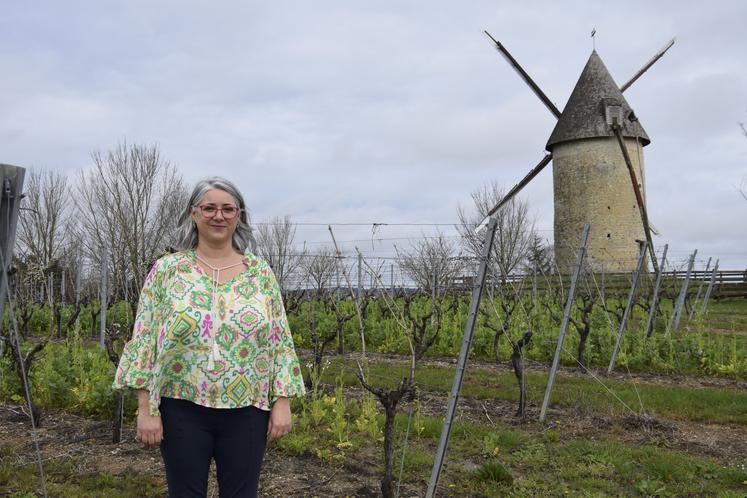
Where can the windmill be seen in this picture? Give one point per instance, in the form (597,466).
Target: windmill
(598,168)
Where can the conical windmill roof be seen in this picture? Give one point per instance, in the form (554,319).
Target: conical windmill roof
(584,114)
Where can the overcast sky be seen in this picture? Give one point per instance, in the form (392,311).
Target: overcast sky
(381,112)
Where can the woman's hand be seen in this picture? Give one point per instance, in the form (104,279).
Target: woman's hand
(149,427)
(280,419)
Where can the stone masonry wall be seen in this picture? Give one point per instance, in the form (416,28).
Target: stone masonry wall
(591,184)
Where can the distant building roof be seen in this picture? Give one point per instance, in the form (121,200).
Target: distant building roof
(584,114)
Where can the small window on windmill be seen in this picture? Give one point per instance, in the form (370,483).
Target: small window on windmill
(614,115)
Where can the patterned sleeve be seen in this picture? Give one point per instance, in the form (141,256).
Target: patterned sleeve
(286,380)
(138,358)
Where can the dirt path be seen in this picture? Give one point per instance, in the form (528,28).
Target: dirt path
(88,443)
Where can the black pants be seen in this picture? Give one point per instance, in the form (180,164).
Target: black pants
(194,434)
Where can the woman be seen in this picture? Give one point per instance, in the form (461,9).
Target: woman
(211,355)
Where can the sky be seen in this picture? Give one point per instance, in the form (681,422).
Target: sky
(381,112)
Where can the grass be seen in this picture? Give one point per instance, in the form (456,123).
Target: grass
(715,405)
(584,467)
(504,460)
(482,460)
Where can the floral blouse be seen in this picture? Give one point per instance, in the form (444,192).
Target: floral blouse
(222,346)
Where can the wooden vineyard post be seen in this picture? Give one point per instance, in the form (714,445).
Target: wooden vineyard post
(709,289)
(674,322)
(628,307)
(456,386)
(566,319)
(655,297)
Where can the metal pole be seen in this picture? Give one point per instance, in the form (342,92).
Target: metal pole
(433,285)
(628,307)
(566,319)
(710,288)
(655,298)
(391,277)
(103,297)
(50,290)
(77,285)
(534,284)
(604,290)
(674,323)
(62,288)
(337,278)
(360,278)
(700,289)
(77,296)
(456,386)
(10,200)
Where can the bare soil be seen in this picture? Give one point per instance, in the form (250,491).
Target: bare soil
(88,443)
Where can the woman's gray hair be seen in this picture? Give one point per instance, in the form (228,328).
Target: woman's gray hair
(243,238)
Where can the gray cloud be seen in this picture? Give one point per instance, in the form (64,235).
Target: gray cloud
(374,112)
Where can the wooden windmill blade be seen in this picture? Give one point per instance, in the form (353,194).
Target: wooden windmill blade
(516,189)
(524,76)
(554,110)
(638,197)
(648,65)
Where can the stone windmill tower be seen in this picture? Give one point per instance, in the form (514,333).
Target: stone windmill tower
(591,181)
(598,169)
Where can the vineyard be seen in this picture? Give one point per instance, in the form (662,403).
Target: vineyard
(455,365)
(670,420)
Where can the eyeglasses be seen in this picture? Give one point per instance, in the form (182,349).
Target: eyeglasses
(209,211)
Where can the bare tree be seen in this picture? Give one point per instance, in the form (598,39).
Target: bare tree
(42,235)
(275,245)
(514,229)
(320,268)
(129,203)
(432,263)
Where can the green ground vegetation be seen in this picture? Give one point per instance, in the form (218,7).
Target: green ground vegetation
(504,460)
(692,350)
(600,395)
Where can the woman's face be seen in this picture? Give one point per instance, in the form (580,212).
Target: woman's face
(216,216)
